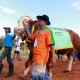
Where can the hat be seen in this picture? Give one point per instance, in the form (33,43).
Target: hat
(44,18)
(7,28)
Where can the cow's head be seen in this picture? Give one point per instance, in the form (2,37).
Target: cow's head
(23,23)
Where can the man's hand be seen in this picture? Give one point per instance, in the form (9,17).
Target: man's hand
(53,61)
(52,53)
(28,33)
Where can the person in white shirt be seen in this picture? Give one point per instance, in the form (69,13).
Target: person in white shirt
(17,50)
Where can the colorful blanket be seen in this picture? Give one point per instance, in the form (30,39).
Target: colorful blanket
(62,38)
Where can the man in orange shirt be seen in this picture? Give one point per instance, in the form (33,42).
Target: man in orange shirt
(43,42)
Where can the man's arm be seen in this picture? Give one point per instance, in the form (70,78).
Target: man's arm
(28,33)
(52,53)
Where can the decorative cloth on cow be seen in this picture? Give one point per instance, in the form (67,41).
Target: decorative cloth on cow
(62,38)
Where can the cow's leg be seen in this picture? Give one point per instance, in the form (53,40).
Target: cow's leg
(25,72)
(27,66)
(63,57)
(69,67)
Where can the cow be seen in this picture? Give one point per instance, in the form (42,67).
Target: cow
(25,22)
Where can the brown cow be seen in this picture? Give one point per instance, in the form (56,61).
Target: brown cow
(27,22)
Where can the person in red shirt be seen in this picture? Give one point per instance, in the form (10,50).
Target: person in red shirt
(43,42)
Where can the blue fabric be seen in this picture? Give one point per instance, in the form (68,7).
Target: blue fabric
(23,31)
(75,55)
(7,42)
(40,77)
(30,28)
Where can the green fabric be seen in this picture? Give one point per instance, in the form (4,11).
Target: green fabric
(46,27)
(62,38)
(53,41)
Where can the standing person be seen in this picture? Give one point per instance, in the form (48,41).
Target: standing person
(7,43)
(22,46)
(17,50)
(43,41)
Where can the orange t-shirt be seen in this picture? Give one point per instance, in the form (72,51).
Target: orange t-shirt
(42,41)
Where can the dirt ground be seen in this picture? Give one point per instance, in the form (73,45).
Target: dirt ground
(58,71)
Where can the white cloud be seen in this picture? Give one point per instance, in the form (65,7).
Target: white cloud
(76,5)
(7,10)
(2,0)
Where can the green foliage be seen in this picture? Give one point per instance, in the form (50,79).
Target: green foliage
(22,53)
(1,38)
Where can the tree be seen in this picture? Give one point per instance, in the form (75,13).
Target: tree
(1,38)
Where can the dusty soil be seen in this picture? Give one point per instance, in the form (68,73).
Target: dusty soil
(58,71)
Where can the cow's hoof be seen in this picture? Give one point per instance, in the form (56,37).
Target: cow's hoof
(66,70)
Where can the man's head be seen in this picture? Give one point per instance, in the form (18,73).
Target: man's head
(7,29)
(44,20)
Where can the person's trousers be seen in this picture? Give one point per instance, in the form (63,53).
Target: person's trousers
(6,53)
(39,73)
(44,76)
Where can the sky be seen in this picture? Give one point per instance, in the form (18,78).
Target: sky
(62,13)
